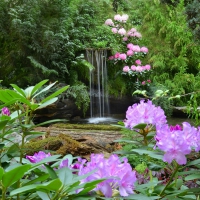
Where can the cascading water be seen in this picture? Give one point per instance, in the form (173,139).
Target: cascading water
(99,102)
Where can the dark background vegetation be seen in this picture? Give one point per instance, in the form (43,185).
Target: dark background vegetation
(47,39)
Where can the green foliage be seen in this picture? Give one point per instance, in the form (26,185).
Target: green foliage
(173,52)
(42,39)
(21,179)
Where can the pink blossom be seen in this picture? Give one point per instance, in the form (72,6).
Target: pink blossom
(144,49)
(133,30)
(130,53)
(126,69)
(109,22)
(149,81)
(122,31)
(139,69)
(144,112)
(143,82)
(5,111)
(176,142)
(118,173)
(147,67)
(37,157)
(130,46)
(124,18)
(122,56)
(111,57)
(137,34)
(116,55)
(138,62)
(133,68)
(135,48)
(125,38)
(117,18)
(114,30)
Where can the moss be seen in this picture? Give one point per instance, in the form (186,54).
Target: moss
(87,126)
(62,144)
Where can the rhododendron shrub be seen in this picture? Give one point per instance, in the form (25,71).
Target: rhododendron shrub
(130,54)
(119,175)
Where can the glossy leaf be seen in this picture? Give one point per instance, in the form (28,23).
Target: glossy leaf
(14,175)
(53,185)
(23,189)
(47,103)
(18,89)
(65,175)
(38,86)
(55,94)
(140,126)
(51,172)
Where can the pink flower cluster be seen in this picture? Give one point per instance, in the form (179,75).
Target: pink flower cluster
(177,142)
(119,174)
(118,28)
(144,82)
(5,111)
(37,157)
(144,112)
(137,48)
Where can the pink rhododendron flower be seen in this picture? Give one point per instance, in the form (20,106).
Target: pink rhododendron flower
(133,30)
(144,49)
(109,22)
(149,81)
(119,174)
(125,38)
(147,67)
(5,111)
(137,34)
(176,142)
(135,48)
(111,57)
(143,82)
(138,62)
(124,18)
(144,112)
(122,31)
(37,157)
(130,53)
(126,69)
(117,18)
(130,46)
(139,69)
(117,55)
(133,68)
(122,56)
(114,30)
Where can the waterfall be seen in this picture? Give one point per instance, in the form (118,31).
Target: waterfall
(99,103)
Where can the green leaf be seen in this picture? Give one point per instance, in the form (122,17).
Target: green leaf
(41,178)
(14,175)
(3,124)
(55,94)
(23,189)
(38,86)
(65,175)
(140,126)
(194,162)
(47,103)
(53,185)
(142,197)
(51,171)
(49,122)
(45,89)
(192,177)
(1,172)
(43,195)
(153,154)
(19,90)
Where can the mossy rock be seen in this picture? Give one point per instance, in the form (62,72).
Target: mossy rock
(62,144)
